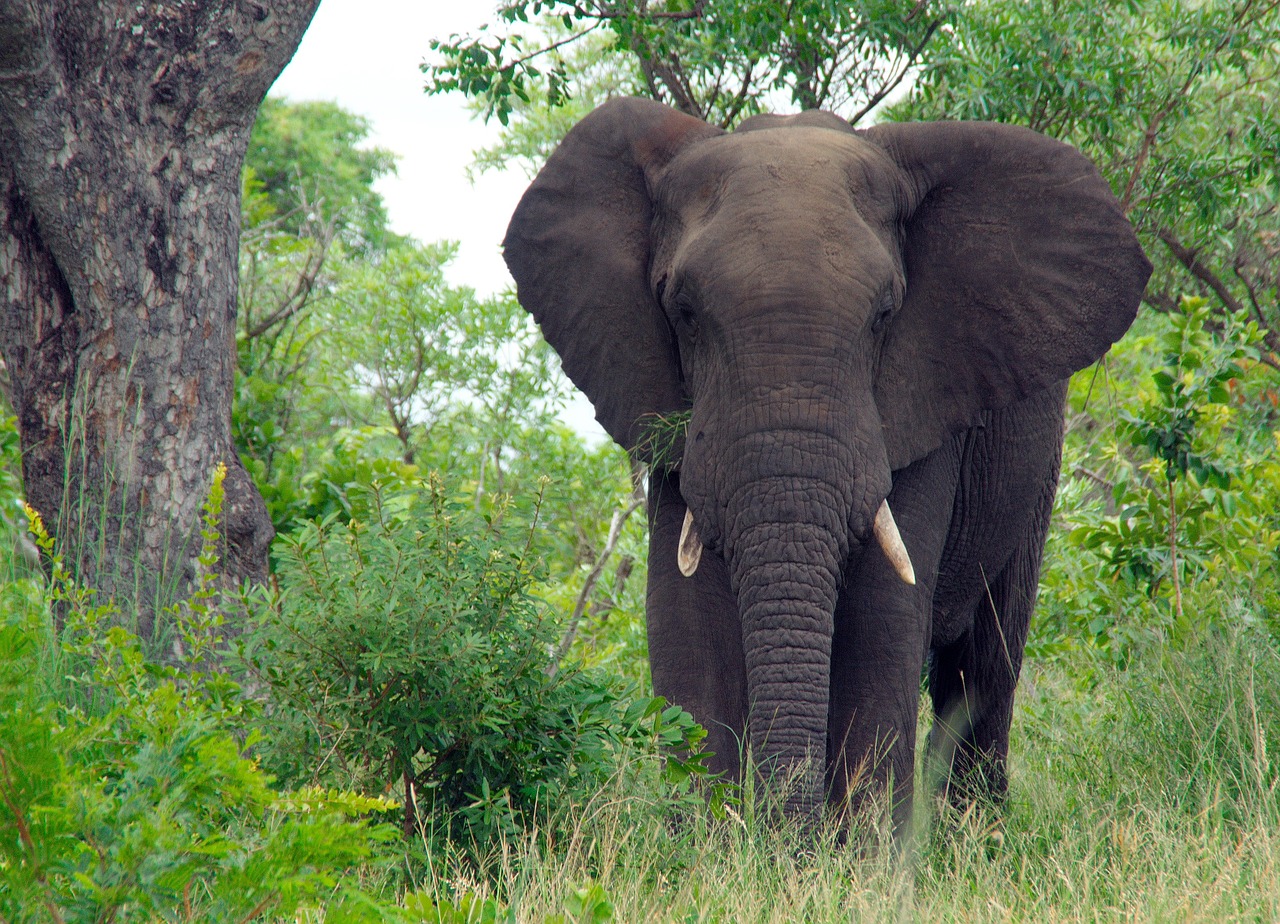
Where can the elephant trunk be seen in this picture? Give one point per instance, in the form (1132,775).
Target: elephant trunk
(788,541)
(791,483)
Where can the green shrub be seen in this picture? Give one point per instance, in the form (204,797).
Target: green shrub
(1167,521)
(125,790)
(407,650)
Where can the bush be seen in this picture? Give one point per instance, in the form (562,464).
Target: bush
(407,650)
(1166,519)
(128,790)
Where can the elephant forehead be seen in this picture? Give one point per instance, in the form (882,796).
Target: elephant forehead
(783,167)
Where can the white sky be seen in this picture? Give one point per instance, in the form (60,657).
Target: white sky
(365,56)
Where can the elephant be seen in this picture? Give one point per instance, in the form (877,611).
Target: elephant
(860,340)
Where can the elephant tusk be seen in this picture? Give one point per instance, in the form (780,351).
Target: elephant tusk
(891,541)
(689,552)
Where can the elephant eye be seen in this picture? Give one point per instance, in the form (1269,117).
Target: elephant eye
(685,313)
(884,310)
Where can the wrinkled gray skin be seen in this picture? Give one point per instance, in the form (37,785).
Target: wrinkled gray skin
(850,316)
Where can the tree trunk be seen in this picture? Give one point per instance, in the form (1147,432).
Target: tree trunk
(122,134)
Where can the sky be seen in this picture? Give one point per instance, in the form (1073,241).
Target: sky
(365,56)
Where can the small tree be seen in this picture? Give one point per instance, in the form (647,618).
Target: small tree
(407,648)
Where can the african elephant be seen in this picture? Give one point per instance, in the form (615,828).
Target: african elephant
(871,333)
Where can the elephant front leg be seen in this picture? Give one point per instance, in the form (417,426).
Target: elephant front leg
(695,633)
(973,679)
(881,635)
(990,575)
(875,694)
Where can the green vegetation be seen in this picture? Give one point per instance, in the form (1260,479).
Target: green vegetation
(407,650)
(439,710)
(127,783)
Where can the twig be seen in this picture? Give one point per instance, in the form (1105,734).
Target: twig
(259,908)
(524,59)
(1250,291)
(1144,152)
(1081,472)
(1191,260)
(322,238)
(888,88)
(620,518)
(1160,301)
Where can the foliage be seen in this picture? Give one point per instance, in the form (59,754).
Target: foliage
(359,368)
(704,58)
(17,554)
(416,346)
(310,164)
(309,210)
(10,467)
(1176,115)
(593,75)
(663,438)
(1177,499)
(286,269)
(129,791)
(407,650)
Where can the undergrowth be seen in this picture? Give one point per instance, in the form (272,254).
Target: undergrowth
(135,789)
(1140,794)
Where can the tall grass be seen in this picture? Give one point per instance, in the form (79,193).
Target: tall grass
(1144,794)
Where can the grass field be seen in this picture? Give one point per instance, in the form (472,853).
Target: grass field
(1147,794)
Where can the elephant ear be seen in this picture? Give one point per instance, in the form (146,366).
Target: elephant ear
(578,248)
(1021,269)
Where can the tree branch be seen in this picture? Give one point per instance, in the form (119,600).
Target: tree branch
(300,297)
(680,92)
(619,520)
(1160,301)
(1153,126)
(740,98)
(1190,259)
(888,88)
(525,59)
(1089,475)
(696,12)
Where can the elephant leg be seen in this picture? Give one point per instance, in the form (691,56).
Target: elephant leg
(882,633)
(1011,477)
(972,684)
(695,633)
(972,679)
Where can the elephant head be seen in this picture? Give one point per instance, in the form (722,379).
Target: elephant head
(829,305)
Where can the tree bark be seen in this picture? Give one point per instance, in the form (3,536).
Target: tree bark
(123,129)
